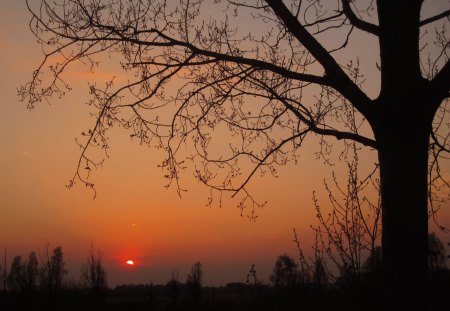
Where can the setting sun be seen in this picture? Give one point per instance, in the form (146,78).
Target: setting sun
(130,262)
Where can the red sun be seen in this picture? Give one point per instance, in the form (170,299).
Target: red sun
(130,262)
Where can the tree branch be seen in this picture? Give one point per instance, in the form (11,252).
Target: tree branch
(357,22)
(434,18)
(258,64)
(323,131)
(169,41)
(441,82)
(264,159)
(339,80)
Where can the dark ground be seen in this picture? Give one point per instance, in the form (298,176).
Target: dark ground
(234,296)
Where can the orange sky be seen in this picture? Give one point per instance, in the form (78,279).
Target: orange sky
(133,216)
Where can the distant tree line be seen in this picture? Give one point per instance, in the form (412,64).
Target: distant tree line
(29,274)
(46,271)
(292,284)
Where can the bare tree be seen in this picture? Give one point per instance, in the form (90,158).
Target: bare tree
(16,275)
(31,271)
(93,273)
(350,230)
(251,276)
(372,265)
(52,270)
(436,253)
(286,273)
(320,275)
(23,275)
(194,283)
(196,74)
(174,288)
(316,265)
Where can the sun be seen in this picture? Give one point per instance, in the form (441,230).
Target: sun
(130,262)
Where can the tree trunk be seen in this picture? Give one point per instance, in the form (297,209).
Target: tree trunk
(403,172)
(403,137)
(402,122)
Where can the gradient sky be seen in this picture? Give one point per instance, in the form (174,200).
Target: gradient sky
(134,216)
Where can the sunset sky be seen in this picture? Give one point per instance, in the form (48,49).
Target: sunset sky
(134,217)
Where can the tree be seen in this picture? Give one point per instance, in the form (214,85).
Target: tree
(436,253)
(93,273)
(194,283)
(174,288)
(31,270)
(348,233)
(295,74)
(348,230)
(52,271)
(320,275)
(251,276)
(16,275)
(372,266)
(285,272)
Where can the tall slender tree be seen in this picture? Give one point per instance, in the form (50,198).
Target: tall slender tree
(199,69)
(194,283)
(31,272)
(93,272)
(52,270)
(16,275)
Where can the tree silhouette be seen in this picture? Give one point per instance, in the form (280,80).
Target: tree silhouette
(320,275)
(93,272)
(436,253)
(372,266)
(348,230)
(194,283)
(52,269)
(174,288)
(285,272)
(348,233)
(16,275)
(196,72)
(23,276)
(31,272)
(251,276)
